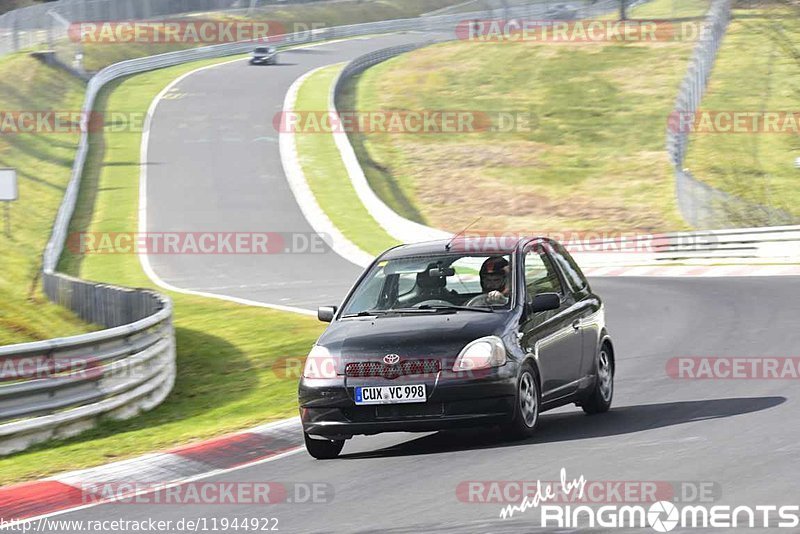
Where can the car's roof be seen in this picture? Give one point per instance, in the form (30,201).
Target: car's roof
(460,245)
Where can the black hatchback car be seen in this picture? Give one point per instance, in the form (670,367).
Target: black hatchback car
(449,334)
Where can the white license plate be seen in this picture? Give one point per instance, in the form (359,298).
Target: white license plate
(390,394)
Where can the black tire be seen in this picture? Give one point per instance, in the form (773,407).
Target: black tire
(323,449)
(527,405)
(598,400)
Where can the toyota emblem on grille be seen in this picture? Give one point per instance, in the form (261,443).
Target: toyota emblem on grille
(391,359)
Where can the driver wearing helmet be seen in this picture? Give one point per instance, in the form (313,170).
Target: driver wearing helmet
(494,283)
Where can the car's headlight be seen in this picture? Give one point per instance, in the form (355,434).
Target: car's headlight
(481,354)
(320,364)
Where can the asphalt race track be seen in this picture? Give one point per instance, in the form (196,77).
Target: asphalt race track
(740,435)
(214,165)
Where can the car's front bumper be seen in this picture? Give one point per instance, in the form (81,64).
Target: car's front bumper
(327,407)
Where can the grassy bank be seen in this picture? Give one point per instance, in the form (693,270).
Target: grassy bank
(758,166)
(670,9)
(591,157)
(43,162)
(226,352)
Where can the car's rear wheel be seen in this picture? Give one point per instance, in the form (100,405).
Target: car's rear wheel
(323,449)
(526,414)
(599,398)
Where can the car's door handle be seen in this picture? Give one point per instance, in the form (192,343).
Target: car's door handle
(576,324)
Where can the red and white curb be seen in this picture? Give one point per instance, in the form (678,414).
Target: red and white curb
(78,489)
(695,270)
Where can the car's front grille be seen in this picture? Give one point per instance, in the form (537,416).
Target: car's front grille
(380,369)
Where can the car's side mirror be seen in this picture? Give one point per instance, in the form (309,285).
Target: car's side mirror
(326,313)
(545,301)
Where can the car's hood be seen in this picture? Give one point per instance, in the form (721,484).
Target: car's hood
(421,336)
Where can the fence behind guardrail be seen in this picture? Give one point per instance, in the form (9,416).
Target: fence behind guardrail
(700,204)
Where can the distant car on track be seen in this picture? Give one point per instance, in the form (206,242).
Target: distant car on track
(264,55)
(437,335)
(562,12)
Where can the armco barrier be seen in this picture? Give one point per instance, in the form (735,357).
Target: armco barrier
(61,387)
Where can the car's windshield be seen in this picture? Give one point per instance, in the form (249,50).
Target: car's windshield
(262,50)
(434,282)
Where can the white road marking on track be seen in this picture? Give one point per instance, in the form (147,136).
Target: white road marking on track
(144,259)
(306,200)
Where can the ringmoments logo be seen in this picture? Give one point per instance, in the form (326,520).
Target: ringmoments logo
(660,516)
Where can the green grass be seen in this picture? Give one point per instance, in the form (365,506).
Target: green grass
(43,162)
(226,351)
(326,174)
(670,9)
(756,166)
(594,157)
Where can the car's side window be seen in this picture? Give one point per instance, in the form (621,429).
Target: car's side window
(568,266)
(372,294)
(540,274)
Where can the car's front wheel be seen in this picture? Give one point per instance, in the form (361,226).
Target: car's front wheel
(599,398)
(526,414)
(323,449)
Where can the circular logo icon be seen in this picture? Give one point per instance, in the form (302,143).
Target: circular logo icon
(663,516)
(391,359)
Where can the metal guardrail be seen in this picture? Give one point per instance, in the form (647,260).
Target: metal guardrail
(744,246)
(61,387)
(700,204)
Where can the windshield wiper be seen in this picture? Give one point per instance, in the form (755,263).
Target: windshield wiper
(392,311)
(366,313)
(425,308)
(454,307)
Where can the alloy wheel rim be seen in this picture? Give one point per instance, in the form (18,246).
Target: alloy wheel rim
(528,400)
(605,376)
